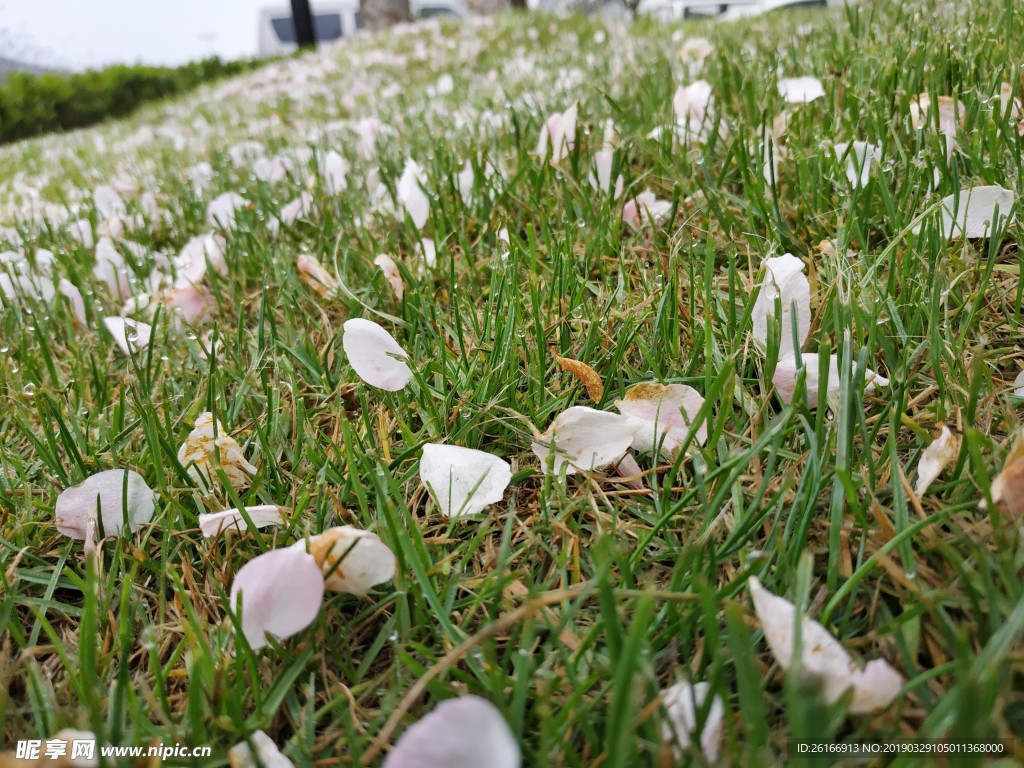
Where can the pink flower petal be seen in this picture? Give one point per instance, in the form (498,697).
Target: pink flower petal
(468,732)
(279,593)
(76,506)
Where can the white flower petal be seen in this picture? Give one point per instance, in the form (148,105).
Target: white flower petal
(74,295)
(800,90)
(335,173)
(660,409)
(859,160)
(784,278)
(1018,385)
(108,203)
(366,561)
(468,732)
(300,207)
(974,212)
(822,655)
(281,592)
(934,459)
(232,520)
(785,379)
(269,756)
(411,195)
(679,701)
(465,180)
(198,455)
(129,334)
(221,210)
(371,351)
(270,171)
(429,252)
(81,231)
(586,439)
(77,505)
(391,274)
(110,268)
(200,253)
(452,472)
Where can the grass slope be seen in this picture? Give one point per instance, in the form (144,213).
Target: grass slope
(812,501)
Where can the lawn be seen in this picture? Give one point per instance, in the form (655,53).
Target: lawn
(581,593)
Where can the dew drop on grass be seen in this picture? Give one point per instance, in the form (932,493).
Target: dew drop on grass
(577,313)
(29,389)
(393,637)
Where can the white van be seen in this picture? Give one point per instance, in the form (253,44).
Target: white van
(334,20)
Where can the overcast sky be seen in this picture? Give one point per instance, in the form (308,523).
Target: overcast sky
(89,33)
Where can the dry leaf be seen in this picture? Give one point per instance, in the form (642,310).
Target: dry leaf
(590,378)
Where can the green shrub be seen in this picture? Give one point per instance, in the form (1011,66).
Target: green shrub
(31,105)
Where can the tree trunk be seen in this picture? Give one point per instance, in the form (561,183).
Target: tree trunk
(519,4)
(379,14)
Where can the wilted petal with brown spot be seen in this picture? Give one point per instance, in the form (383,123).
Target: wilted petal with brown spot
(660,409)
(198,455)
(316,276)
(365,561)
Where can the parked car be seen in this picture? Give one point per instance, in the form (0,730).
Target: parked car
(674,10)
(334,20)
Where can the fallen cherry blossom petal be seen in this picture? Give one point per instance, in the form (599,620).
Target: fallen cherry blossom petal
(1007,487)
(1018,385)
(467,732)
(627,467)
(975,212)
(800,90)
(679,701)
(411,195)
(952,113)
(585,439)
(270,171)
(784,279)
(300,207)
(267,754)
(129,334)
(859,160)
(391,274)
(373,353)
(823,656)
(221,210)
(81,231)
(452,473)
(279,594)
(646,207)
(560,130)
(69,289)
(365,561)
(110,268)
(201,253)
(198,454)
(934,459)
(335,173)
(76,506)
(108,203)
(786,372)
(232,520)
(659,409)
(428,251)
(316,276)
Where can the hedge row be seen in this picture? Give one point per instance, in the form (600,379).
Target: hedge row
(31,105)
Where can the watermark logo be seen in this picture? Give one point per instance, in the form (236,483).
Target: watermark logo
(37,749)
